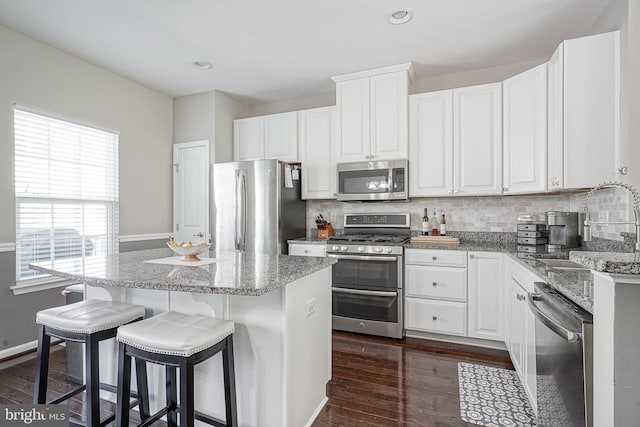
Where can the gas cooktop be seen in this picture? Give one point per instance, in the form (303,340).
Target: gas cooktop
(368,238)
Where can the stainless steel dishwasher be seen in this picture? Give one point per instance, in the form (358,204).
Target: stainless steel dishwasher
(564,365)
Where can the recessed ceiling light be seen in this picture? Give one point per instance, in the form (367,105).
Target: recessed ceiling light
(202,65)
(400,17)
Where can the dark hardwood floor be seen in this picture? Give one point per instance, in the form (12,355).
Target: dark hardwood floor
(376,382)
(409,382)
(16,386)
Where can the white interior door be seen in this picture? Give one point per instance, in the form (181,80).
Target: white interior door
(191,191)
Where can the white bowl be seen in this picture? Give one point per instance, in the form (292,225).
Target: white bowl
(190,253)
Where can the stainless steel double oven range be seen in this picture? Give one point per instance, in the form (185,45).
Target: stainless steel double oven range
(367,280)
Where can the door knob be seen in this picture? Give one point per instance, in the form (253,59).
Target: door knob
(200,234)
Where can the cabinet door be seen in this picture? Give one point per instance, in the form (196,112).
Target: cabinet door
(486,296)
(524,99)
(352,100)
(281,137)
(431,144)
(477,140)
(389,121)
(591,109)
(248,139)
(318,145)
(515,324)
(555,102)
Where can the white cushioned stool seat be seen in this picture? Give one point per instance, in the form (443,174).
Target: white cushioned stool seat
(87,317)
(175,334)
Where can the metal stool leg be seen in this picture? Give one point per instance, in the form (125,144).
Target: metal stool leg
(143,389)
(92,381)
(124,386)
(186,393)
(172,395)
(228,367)
(42,366)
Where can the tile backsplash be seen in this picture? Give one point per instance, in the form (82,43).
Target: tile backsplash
(495,214)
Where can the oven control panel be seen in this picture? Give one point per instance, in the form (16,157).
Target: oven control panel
(365,249)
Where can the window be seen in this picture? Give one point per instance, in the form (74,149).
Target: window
(66,183)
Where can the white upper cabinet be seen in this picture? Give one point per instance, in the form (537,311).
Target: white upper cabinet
(455,142)
(266,137)
(524,123)
(372,114)
(477,140)
(584,112)
(431,144)
(248,139)
(318,147)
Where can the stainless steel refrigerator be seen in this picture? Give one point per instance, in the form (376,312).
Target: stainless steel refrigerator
(252,208)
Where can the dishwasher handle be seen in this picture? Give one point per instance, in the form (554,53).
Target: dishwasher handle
(550,323)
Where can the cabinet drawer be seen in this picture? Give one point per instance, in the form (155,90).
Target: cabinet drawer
(307,250)
(436,316)
(436,257)
(447,283)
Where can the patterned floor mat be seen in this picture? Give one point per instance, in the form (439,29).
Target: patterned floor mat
(493,397)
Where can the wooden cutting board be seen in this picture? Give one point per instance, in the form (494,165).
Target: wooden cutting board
(436,240)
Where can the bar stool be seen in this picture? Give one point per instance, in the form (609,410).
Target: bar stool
(89,322)
(177,340)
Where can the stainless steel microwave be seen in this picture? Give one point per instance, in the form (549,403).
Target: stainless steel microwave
(375,180)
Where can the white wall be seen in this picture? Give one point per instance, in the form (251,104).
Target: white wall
(40,77)
(194,119)
(227,110)
(473,77)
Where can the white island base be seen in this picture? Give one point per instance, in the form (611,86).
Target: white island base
(282,345)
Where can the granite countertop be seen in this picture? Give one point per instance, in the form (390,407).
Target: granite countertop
(305,241)
(577,285)
(608,262)
(233,273)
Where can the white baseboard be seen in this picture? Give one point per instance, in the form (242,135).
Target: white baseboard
(497,345)
(316,412)
(143,237)
(12,351)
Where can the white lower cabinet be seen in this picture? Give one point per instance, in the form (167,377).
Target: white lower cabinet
(455,292)
(486,296)
(436,291)
(444,317)
(520,334)
(307,249)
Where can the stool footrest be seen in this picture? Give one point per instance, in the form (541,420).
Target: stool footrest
(153,418)
(68,395)
(209,419)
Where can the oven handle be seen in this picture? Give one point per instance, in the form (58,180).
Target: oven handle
(557,328)
(364,257)
(367,293)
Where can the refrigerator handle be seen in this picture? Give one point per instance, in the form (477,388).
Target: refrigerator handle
(243,203)
(240,207)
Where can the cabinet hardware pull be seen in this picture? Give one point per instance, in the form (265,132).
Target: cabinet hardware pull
(435,283)
(622,170)
(472,256)
(435,317)
(434,258)
(520,297)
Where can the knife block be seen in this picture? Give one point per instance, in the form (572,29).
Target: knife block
(325,233)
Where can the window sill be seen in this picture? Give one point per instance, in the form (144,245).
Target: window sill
(41,285)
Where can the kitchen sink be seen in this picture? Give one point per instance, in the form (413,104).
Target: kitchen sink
(561,264)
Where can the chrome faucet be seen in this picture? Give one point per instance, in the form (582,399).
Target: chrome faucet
(636,209)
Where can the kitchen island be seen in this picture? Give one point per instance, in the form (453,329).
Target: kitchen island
(281,307)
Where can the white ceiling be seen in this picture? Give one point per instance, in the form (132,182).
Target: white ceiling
(271,50)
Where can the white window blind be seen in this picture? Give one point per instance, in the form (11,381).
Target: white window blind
(66,183)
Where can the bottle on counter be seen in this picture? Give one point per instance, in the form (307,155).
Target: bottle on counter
(425,222)
(435,224)
(443,224)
